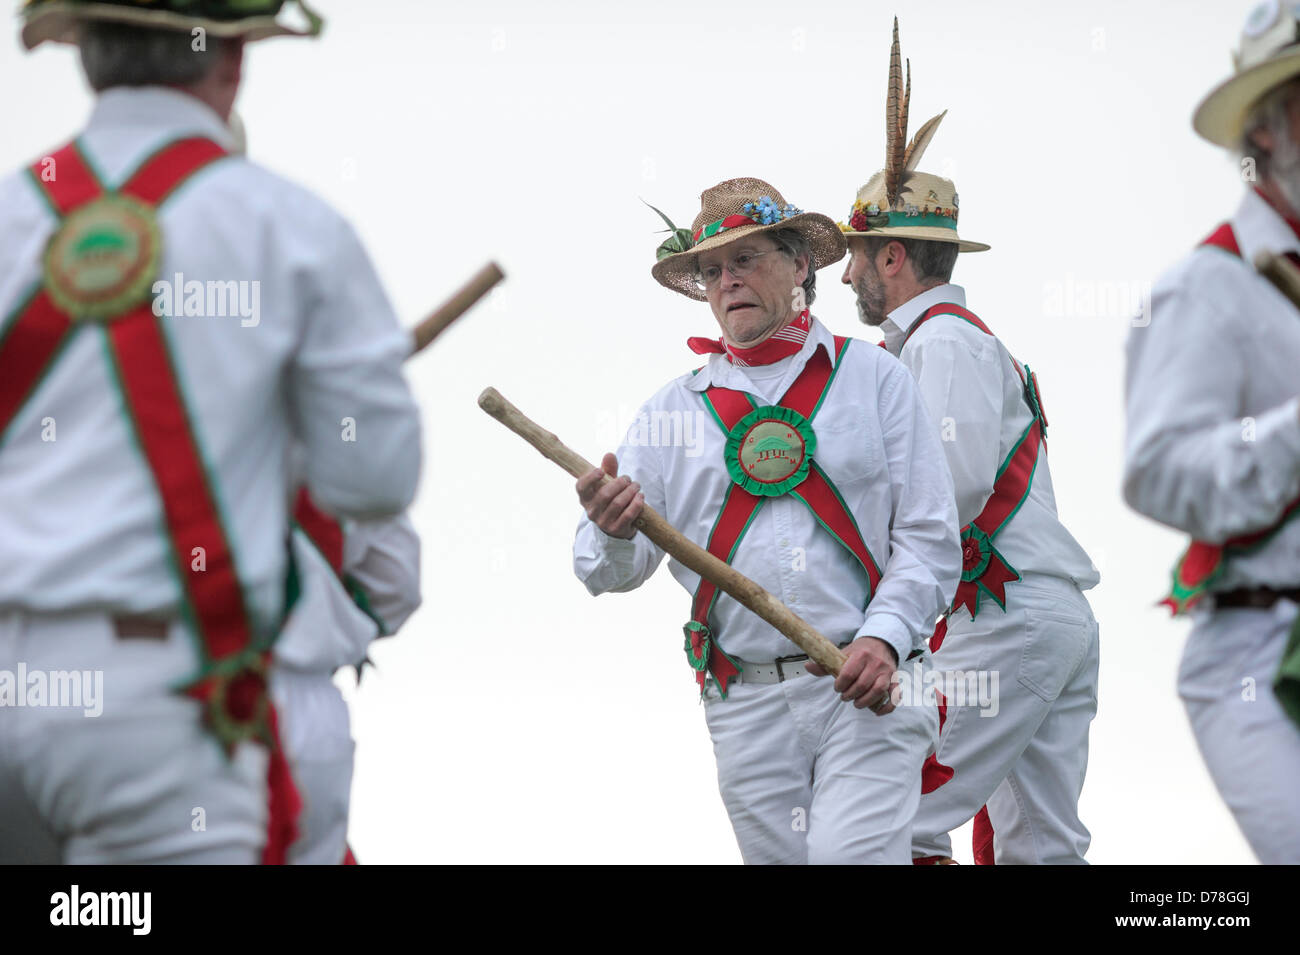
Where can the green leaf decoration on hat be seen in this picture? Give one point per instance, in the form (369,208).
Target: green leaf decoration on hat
(679,241)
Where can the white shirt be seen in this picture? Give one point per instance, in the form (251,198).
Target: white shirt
(80,519)
(326,629)
(1213,444)
(875,443)
(975,397)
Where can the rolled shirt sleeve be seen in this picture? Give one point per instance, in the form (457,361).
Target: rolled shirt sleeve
(960,382)
(383,557)
(924,565)
(607,564)
(1192,461)
(351,405)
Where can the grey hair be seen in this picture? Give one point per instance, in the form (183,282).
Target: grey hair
(930,260)
(793,243)
(1270,113)
(123,54)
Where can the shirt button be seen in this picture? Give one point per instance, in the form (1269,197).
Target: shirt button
(785,542)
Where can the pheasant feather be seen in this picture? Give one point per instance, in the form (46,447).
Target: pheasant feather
(916,148)
(894,133)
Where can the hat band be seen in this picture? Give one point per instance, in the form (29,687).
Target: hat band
(862,222)
(930,219)
(722,225)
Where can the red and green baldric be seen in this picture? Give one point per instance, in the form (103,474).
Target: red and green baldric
(1203,565)
(99,269)
(769,453)
(984,570)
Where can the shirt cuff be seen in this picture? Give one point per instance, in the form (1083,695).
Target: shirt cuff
(891,629)
(617,553)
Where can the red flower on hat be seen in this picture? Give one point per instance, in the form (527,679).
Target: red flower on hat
(858,221)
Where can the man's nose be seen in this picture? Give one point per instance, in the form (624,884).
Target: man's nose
(845,277)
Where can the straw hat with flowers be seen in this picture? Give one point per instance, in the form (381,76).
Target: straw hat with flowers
(733,210)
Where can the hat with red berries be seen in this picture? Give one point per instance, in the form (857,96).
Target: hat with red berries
(901,202)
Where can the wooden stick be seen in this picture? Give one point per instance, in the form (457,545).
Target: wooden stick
(456,306)
(675,544)
(1284,276)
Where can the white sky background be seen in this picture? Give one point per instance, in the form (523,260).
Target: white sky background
(516,719)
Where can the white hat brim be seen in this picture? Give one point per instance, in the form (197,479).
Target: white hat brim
(922,232)
(1221,116)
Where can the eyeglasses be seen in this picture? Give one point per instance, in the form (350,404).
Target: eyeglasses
(740,266)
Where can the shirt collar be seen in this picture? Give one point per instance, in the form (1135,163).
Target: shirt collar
(901,319)
(723,373)
(158,109)
(1258,226)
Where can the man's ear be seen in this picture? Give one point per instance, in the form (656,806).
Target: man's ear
(895,258)
(803,263)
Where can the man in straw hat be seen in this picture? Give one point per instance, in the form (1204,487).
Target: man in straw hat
(815,472)
(175,319)
(1213,446)
(1019,611)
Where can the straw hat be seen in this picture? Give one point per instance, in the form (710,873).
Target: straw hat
(1269,56)
(57,20)
(733,210)
(899,201)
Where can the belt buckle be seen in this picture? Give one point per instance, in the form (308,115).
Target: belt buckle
(782,661)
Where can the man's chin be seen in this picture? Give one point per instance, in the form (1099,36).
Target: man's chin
(747,334)
(870,319)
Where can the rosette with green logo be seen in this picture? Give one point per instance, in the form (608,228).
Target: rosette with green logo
(103,259)
(769,450)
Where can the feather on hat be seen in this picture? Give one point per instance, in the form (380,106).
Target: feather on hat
(901,201)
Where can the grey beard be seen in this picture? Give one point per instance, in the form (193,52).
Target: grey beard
(871,305)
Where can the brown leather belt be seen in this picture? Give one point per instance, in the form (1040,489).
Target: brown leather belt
(140,628)
(1255,598)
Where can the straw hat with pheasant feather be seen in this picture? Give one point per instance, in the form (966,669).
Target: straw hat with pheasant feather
(899,201)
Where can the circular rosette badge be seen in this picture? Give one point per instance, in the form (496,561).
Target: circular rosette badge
(103,259)
(976,550)
(697,645)
(770,450)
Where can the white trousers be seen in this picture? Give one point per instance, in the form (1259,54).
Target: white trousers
(1249,745)
(143,781)
(317,740)
(1027,757)
(807,778)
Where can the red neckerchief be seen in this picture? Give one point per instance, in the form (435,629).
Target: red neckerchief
(782,344)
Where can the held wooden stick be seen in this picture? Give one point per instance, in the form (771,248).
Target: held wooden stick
(456,306)
(675,544)
(1284,276)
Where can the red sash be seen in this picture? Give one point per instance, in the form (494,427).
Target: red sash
(815,490)
(1202,564)
(232,680)
(984,569)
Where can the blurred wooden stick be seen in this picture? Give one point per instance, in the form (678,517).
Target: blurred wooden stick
(673,542)
(484,279)
(1279,270)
